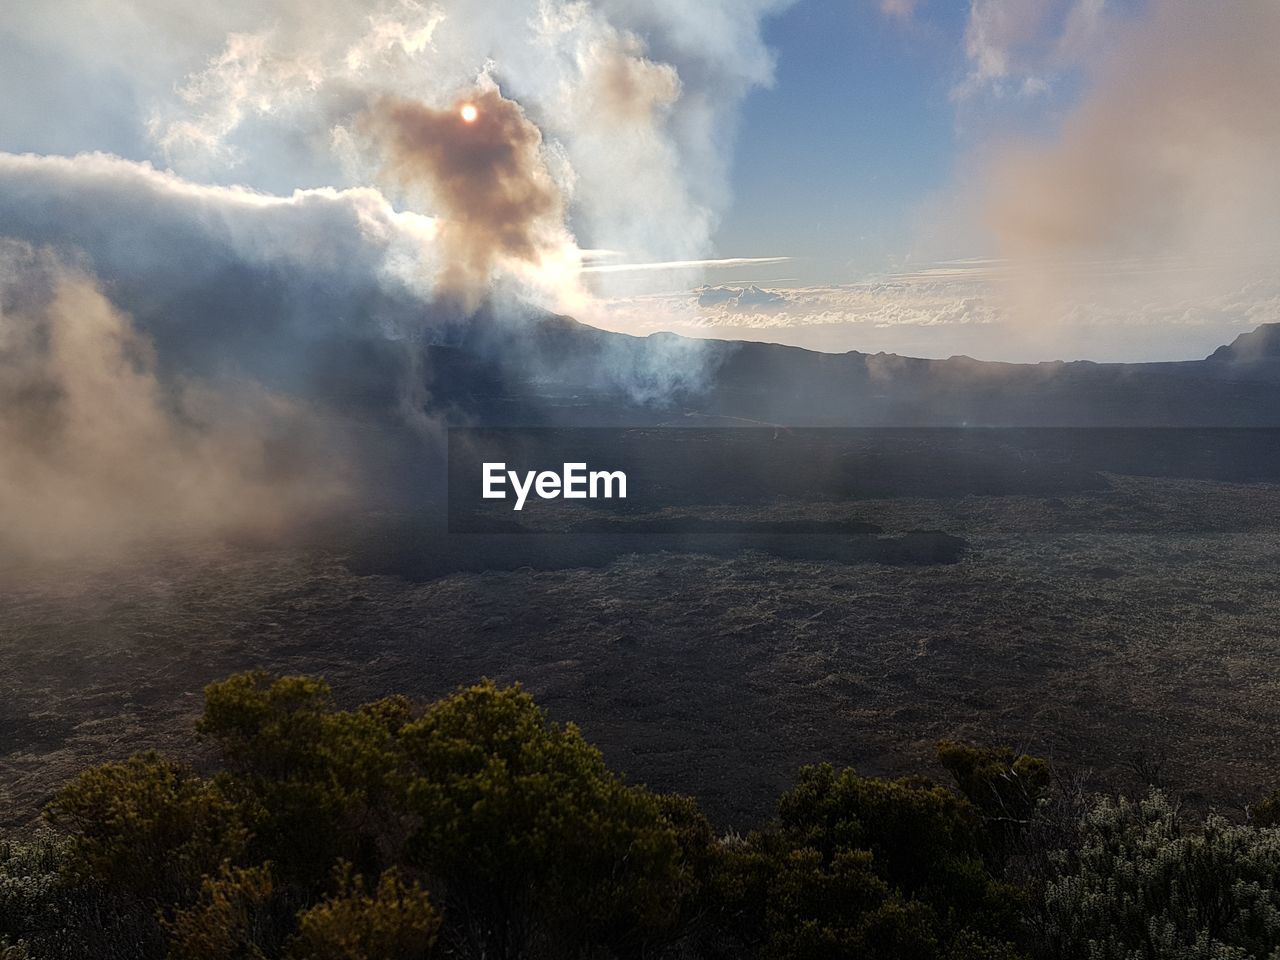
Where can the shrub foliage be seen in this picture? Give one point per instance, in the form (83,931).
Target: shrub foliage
(1145,883)
(486,830)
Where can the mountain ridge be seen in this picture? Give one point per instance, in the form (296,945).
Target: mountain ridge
(577,374)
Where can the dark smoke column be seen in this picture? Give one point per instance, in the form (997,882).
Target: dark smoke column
(481,163)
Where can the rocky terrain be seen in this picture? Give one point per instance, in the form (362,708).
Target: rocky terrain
(1130,632)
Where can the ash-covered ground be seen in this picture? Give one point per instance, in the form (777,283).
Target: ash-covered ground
(1131,630)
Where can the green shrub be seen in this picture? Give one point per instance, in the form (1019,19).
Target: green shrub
(395,922)
(234,919)
(148,827)
(32,884)
(1145,884)
(320,783)
(860,867)
(1266,813)
(519,841)
(926,840)
(50,911)
(839,907)
(1006,787)
(534,838)
(1010,791)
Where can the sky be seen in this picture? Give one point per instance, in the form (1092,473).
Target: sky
(860,104)
(1009,179)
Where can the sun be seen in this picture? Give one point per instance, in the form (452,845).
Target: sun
(469,113)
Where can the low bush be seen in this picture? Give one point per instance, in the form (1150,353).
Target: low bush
(1145,883)
(862,867)
(534,839)
(396,921)
(147,828)
(489,831)
(235,918)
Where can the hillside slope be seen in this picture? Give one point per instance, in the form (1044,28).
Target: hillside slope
(559,371)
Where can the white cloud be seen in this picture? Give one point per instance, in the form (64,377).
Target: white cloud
(1019,47)
(637,103)
(966,308)
(154,233)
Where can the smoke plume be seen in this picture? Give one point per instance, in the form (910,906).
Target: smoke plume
(179,355)
(637,102)
(1159,190)
(481,162)
(101,456)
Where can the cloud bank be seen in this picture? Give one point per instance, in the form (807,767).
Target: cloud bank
(965,307)
(227,279)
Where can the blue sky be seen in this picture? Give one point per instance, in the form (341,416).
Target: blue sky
(857,129)
(868,121)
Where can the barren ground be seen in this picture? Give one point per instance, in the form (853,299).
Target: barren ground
(1132,631)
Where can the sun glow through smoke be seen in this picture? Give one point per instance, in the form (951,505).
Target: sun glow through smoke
(469,113)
